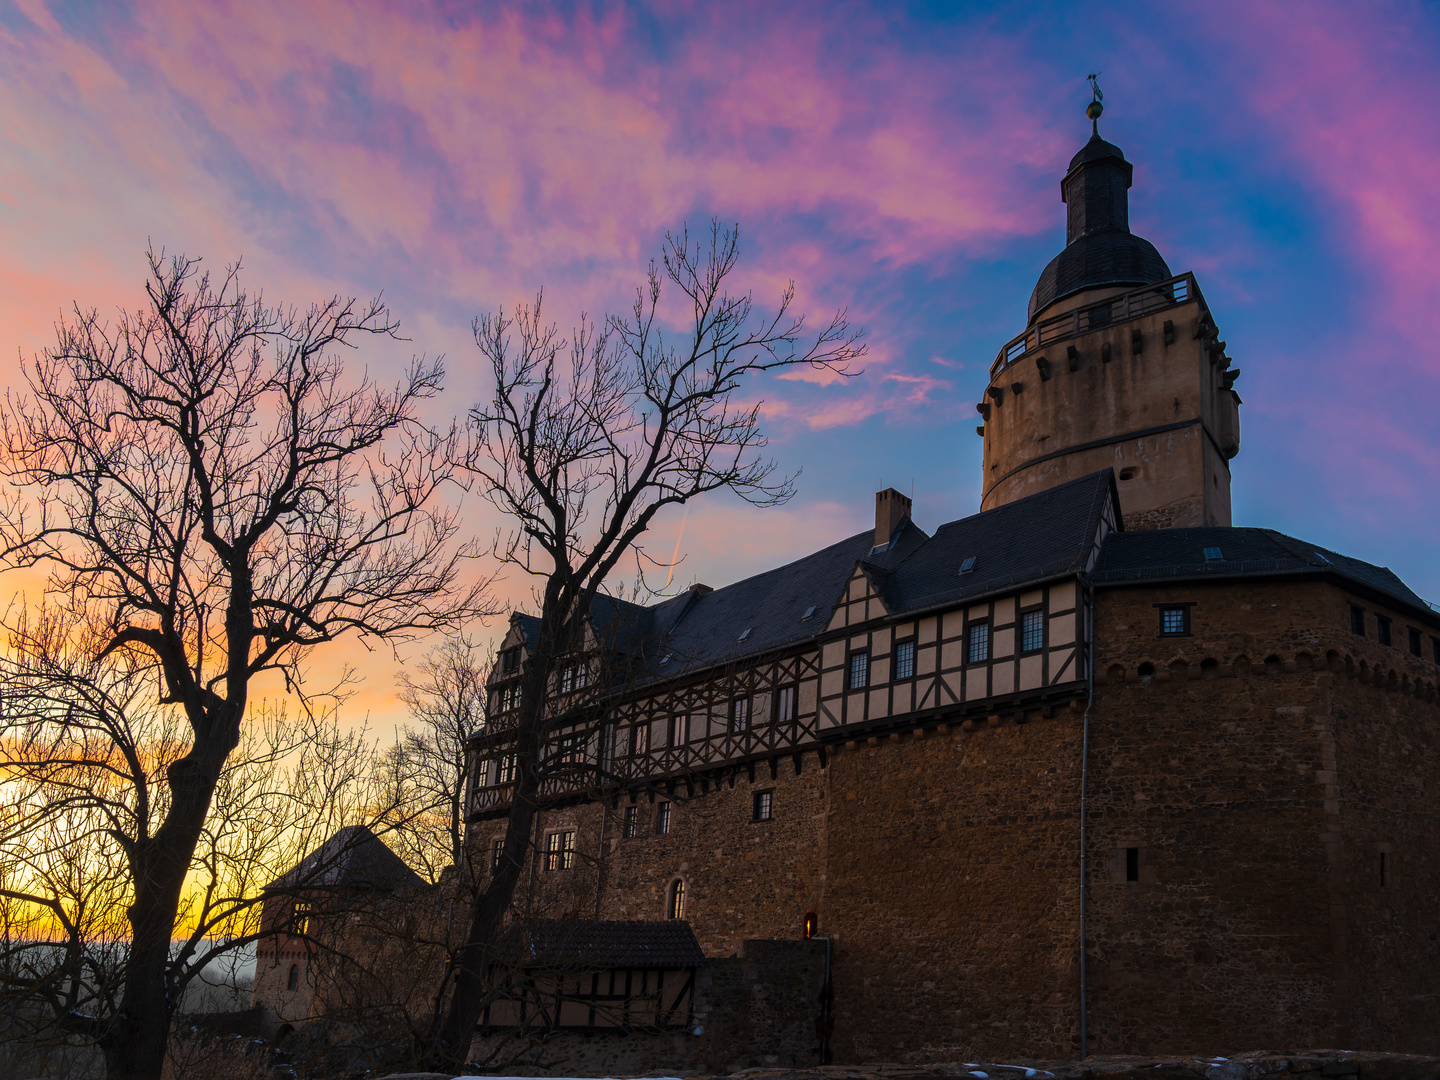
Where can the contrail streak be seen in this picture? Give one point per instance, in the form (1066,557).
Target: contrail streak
(675,557)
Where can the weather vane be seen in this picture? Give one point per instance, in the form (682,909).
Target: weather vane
(1095,108)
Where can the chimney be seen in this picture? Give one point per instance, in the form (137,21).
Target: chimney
(891,508)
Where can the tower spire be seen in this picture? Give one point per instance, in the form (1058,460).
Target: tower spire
(1096,106)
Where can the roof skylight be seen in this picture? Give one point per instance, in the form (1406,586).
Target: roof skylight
(809,613)
(745,633)
(1213,555)
(968,565)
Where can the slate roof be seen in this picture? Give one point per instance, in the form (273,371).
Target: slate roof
(1095,261)
(597,945)
(353,857)
(1179,555)
(1045,535)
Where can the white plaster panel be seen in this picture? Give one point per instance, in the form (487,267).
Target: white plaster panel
(855,707)
(954,623)
(927,630)
(831,683)
(975,683)
(834,654)
(1002,642)
(1062,629)
(879,703)
(925,659)
(879,669)
(1005,610)
(1003,678)
(1034,596)
(1031,675)
(952,654)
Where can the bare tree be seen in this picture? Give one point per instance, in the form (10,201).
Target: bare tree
(580,445)
(215,499)
(426,768)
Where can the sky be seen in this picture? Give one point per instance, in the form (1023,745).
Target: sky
(898,161)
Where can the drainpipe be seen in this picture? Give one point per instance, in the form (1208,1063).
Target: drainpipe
(1084,792)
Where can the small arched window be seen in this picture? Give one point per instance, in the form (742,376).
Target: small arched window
(812,924)
(676,907)
(293,981)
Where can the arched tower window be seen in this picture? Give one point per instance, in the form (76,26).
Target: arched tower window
(293,981)
(675,908)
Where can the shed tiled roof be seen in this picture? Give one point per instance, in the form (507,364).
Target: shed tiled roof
(598,945)
(1179,554)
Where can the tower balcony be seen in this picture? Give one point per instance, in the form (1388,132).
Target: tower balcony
(1135,304)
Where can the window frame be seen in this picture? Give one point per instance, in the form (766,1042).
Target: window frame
(497,852)
(1183,606)
(1357,620)
(675,900)
(786,694)
(1383,627)
(664,812)
(1417,642)
(679,726)
(740,709)
(762,806)
(978,637)
(907,644)
(1038,613)
(852,658)
(506,766)
(640,739)
(559,850)
(630,822)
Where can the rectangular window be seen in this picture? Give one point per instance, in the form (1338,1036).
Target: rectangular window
(662,819)
(679,730)
(572,750)
(785,704)
(1132,864)
(497,852)
(1435,649)
(1175,620)
(763,806)
(639,740)
(977,643)
(1032,630)
(858,675)
(505,769)
(560,850)
(631,817)
(510,660)
(1357,619)
(1384,871)
(905,660)
(739,715)
(567,678)
(1382,629)
(1416,644)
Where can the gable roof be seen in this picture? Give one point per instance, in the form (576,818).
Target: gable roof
(1046,535)
(596,945)
(354,857)
(1179,555)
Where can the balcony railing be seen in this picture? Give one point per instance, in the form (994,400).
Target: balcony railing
(1131,305)
(721,748)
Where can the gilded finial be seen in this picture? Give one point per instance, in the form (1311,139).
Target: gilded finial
(1095,108)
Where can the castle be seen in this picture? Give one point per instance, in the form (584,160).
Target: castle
(1090,768)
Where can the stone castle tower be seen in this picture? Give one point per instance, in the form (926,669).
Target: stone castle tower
(1103,376)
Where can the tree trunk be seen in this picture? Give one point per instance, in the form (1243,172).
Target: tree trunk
(134,1047)
(472,974)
